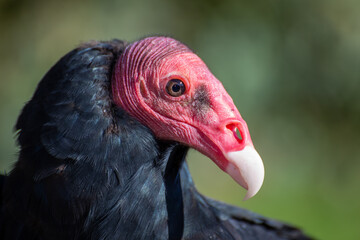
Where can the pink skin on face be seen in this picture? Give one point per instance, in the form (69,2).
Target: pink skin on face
(204,117)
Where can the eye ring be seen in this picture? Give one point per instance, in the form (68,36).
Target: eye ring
(175,87)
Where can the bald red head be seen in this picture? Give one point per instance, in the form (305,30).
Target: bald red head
(168,88)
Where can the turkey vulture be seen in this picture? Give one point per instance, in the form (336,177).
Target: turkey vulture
(103,143)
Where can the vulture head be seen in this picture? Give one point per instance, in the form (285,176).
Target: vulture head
(168,88)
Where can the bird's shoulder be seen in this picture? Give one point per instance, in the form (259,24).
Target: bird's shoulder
(71,113)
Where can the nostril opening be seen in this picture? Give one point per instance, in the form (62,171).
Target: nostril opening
(236,131)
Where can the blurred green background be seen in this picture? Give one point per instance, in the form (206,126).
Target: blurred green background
(292,68)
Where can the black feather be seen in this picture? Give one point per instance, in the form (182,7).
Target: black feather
(87,170)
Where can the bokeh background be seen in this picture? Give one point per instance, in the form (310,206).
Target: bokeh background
(292,68)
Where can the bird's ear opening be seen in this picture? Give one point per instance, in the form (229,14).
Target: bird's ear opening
(143,90)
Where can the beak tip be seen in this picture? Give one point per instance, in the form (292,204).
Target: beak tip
(247,197)
(252,192)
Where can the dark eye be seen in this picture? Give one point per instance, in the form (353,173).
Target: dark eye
(175,87)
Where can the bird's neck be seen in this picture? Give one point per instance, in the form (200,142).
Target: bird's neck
(150,202)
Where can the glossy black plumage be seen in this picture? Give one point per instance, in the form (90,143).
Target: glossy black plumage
(87,170)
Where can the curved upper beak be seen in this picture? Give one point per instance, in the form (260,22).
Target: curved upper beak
(247,169)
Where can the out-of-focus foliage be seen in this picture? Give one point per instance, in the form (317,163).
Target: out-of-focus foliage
(292,68)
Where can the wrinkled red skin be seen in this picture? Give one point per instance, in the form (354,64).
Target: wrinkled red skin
(204,117)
